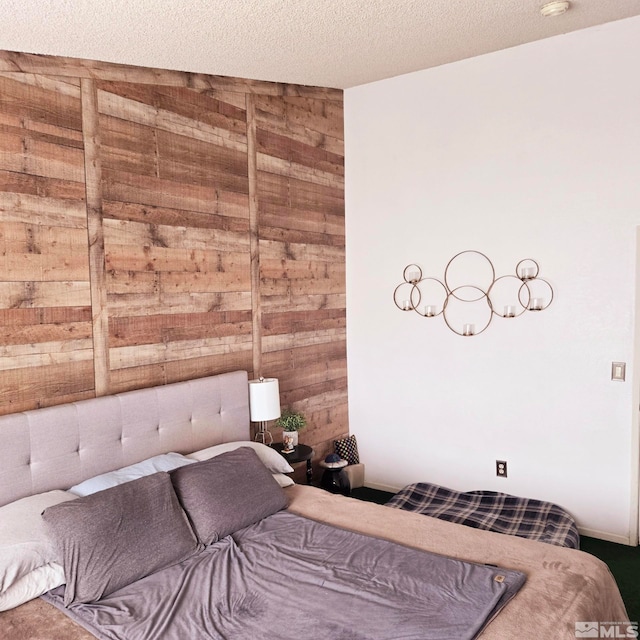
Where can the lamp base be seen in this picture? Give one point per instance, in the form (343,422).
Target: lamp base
(262,435)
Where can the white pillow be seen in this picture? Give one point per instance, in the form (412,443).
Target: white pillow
(25,549)
(32,585)
(282,480)
(164,462)
(269,457)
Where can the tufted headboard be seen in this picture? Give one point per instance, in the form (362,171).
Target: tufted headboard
(57,447)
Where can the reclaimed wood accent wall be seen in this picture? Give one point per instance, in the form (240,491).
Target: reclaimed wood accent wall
(157,226)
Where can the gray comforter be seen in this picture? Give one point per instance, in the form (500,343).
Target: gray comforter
(288,577)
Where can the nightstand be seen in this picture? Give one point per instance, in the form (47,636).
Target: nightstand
(300,453)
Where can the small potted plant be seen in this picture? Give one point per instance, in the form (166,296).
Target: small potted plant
(291,422)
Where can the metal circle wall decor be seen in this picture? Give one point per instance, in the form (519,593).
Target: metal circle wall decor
(480,306)
(486,296)
(476,262)
(506,303)
(429,290)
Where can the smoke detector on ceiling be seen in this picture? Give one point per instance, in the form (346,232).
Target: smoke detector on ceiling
(555,8)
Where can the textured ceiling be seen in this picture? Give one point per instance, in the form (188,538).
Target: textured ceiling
(331,43)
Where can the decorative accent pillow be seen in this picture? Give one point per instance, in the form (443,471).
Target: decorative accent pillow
(163,462)
(111,538)
(269,457)
(347,449)
(28,560)
(227,493)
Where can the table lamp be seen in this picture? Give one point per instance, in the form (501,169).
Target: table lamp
(264,405)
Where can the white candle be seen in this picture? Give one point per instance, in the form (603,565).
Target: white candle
(527,273)
(509,311)
(468,329)
(406,305)
(536,304)
(413,276)
(430,310)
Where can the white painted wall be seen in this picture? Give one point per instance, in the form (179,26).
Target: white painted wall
(532,152)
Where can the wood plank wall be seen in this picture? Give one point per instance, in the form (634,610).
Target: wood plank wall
(157,226)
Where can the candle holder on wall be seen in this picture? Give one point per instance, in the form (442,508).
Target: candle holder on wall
(477,298)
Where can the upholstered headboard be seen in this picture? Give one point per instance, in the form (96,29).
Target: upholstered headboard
(57,447)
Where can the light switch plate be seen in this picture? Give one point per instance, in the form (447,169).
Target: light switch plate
(618,371)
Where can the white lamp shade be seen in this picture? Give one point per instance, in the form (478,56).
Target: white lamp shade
(264,399)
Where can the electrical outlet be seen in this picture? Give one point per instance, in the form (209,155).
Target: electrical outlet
(501,468)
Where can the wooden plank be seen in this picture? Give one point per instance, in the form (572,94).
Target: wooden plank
(13,335)
(42,354)
(158,258)
(26,404)
(23,183)
(122,306)
(51,104)
(302,153)
(38,130)
(26,317)
(302,269)
(18,62)
(133,282)
(213,110)
(95,231)
(43,268)
(296,396)
(66,86)
(34,387)
(228,279)
(292,321)
(318,115)
(312,373)
(134,212)
(292,219)
(281,167)
(145,354)
(303,303)
(208,161)
(25,294)
(279,342)
(130,331)
(301,357)
(298,194)
(24,208)
(208,240)
(272,120)
(254,238)
(293,287)
(208,365)
(24,154)
(176,371)
(17,238)
(123,186)
(297,251)
(128,146)
(111,104)
(295,236)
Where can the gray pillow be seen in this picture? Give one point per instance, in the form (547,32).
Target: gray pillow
(114,537)
(226,493)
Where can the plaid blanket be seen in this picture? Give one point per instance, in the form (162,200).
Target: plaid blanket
(490,510)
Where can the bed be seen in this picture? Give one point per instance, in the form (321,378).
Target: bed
(542,591)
